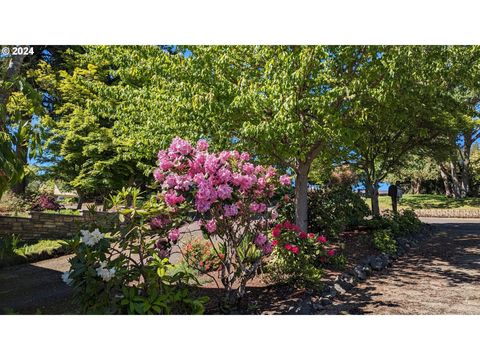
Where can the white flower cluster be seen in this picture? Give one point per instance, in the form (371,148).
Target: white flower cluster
(91,238)
(104,273)
(66,278)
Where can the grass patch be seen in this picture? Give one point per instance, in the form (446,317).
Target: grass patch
(21,214)
(63,212)
(43,246)
(12,252)
(428,201)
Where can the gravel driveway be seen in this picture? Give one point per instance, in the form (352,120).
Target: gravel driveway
(442,276)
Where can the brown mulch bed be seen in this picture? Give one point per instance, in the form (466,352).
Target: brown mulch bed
(265,297)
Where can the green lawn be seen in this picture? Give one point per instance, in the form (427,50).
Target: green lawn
(428,201)
(63,212)
(12,253)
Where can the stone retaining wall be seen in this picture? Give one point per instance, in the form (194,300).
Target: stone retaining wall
(44,225)
(448,213)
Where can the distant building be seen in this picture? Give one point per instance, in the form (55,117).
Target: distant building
(60,195)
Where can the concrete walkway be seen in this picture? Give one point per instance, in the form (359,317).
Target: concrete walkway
(35,287)
(38,287)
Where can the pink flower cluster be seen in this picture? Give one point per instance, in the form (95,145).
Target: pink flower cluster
(174,235)
(257,208)
(211,226)
(230,210)
(159,222)
(262,242)
(213,177)
(226,185)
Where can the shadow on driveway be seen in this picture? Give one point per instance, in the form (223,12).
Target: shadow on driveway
(35,287)
(441,276)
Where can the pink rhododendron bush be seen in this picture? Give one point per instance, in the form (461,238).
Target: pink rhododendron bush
(231,197)
(124,267)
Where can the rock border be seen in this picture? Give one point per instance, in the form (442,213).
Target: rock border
(449,213)
(316,304)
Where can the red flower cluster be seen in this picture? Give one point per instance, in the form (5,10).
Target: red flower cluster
(322,239)
(293,230)
(294,249)
(288,226)
(46,202)
(276,231)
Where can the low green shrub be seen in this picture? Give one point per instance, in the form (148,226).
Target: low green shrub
(42,248)
(331,210)
(338,262)
(63,212)
(408,222)
(13,251)
(8,245)
(127,270)
(14,204)
(200,255)
(385,228)
(297,256)
(334,209)
(384,241)
(401,223)
(378,223)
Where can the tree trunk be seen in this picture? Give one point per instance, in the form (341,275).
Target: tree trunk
(372,191)
(465,170)
(375,205)
(416,186)
(21,153)
(129,197)
(465,180)
(20,187)
(301,197)
(456,187)
(80,200)
(446,182)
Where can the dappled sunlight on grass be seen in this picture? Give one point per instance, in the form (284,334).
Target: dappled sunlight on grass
(428,201)
(424,201)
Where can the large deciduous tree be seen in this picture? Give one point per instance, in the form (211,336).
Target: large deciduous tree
(284,103)
(401,104)
(416,170)
(465,86)
(112,109)
(21,103)
(10,171)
